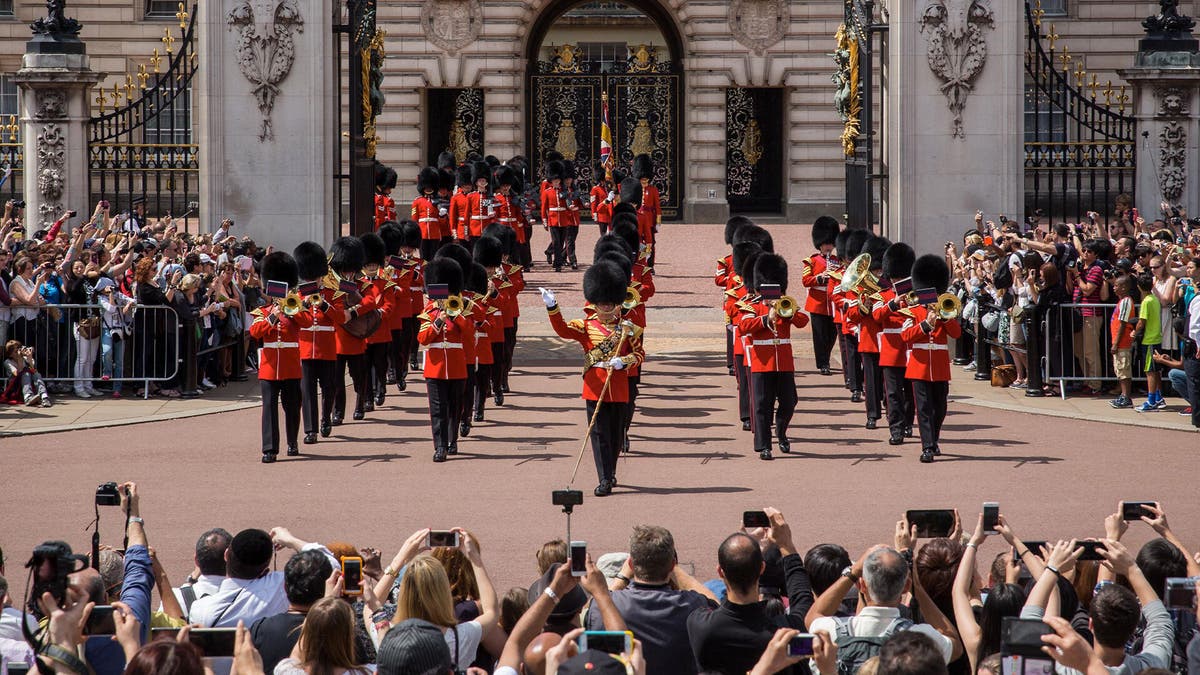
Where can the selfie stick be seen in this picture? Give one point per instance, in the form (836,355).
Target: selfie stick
(625,331)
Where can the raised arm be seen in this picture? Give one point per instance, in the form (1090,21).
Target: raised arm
(964,614)
(534,618)
(489,605)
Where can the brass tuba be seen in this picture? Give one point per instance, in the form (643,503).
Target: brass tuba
(632,298)
(786,306)
(858,278)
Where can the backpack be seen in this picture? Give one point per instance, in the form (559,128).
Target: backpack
(853,651)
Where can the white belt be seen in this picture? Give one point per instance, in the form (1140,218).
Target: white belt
(767,343)
(280,345)
(428,220)
(931,346)
(507,220)
(445,345)
(480,217)
(319,329)
(556,208)
(603,365)
(891,331)
(417,289)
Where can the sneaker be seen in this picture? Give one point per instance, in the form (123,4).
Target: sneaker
(1017,385)
(970,366)
(1146,407)
(1186,412)
(207,384)
(106,378)
(92,390)
(1160,404)
(80,392)
(116,394)
(46,402)
(1121,402)
(33,399)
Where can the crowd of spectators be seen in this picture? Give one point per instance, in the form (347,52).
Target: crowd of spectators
(1109,305)
(905,606)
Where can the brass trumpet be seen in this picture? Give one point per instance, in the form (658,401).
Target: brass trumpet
(632,299)
(291,304)
(947,307)
(786,306)
(453,306)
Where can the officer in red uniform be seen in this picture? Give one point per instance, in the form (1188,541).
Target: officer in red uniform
(385,206)
(769,345)
(443,335)
(425,212)
(346,259)
(868,334)
(612,249)
(279,369)
(744,254)
(610,346)
(893,351)
(723,279)
(460,216)
(650,204)
(571,218)
(927,334)
(482,208)
(508,212)
(554,212)
(814,276)
(318,342)
(383,293)
(600,200)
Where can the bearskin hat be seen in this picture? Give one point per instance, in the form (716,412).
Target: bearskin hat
(599,172)
(504,176)
(931,271)
(410,234)
(446,180)
(631,192)
(624,208)
(428,179)
(898,261)
(876,247)
(488,251)
(477,279)
(770,269)
(311,263)
(374,248)
(620,260)
(456,252)
(569,169)
(605,283)
(619,176)
(610,243)
(492,161)
(347,256)
(481,171)
(733,225)
(385,176)
(824,231)
(554,156)
(555,169)
(643,167)
(505,235)
(462,175)
(855,242)
(443,270)
(749,266)
(840,242)
(392,239)
(281,266)
(446,160)
(742,251)
(756,234)
(626,230)
(473,156)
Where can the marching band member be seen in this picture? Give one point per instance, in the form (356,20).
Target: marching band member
(425,212)
(510,281)
(382,292)
(859,313)
(926,334)
(610,346)
(650,204)
(893,351)
(346,259)
(279,369)
(851,362)
(481,209)
(443,332)
(769,346)
(318,342)
(600,200)
(554,212)
(723,279)
(643,275)
(612,249)
(460,216)
(814,276)
(743,254)
(477,295)
(385,206)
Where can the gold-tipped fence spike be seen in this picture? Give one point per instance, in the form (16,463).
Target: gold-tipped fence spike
(1093,86)
(168,40)
(156,60)
(101,99)
(1108,93)
(182,15)
(1052,38)
(142,76)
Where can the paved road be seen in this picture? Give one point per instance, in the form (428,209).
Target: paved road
(691,469)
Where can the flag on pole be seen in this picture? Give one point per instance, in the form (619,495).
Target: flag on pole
(606,158)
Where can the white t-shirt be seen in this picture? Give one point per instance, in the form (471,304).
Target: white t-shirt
(469,636)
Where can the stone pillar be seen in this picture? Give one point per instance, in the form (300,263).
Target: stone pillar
(953,148)
(55,80)
(266,117)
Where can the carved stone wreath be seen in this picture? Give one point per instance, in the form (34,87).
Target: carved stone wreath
(956,48)
(51,148)
(758,24)
(452,24)
(51,104)
(265,49)
(1172,161)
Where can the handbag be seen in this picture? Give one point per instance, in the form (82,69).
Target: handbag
(55,313)
(89,328)
(1002,376)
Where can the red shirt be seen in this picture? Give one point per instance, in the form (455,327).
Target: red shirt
(385,295)
(818,293)
(279,356)
(318,342)
(445,353)
(385,209)
(868,327)
(425,213)
(591,332)
(649,214)
(508,214)
(893,350)
(601,207)
(347,344)
(929,356)
(769,344)
(553,208)
(459,212)
(482,212)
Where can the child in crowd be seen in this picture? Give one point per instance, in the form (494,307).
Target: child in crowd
(24,382)
(1121,327)
(1149,329)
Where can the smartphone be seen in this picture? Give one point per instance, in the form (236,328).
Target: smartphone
(1033,545)
(1023,637)
(437,291)
(991,516)
(931,523)
(1180,593)
(442,538)
(608,641)
(578,558)
(1133,511)
(1091,550)
(755,519)
(770,291)
(100,621)
(352,575)
(213,642)
(801,645)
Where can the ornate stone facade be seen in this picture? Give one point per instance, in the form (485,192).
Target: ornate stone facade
(956,48)
(266,50)
(452,24)
(758,24)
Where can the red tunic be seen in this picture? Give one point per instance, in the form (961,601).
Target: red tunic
(318,342)
(649,214)
(279,356)
(385,209)
(929,355)
(385,295)
(553,208)
(769,344)
(733,297)
(417,287)
(445,354)
(482,212)
(818,292)
(591,332)
(644,278)
(347,344)
(600,205)
(724,271)
(402,277)
(425,213)
(459,212)
(487,327)
(508,214)
(868,327)
(893,350)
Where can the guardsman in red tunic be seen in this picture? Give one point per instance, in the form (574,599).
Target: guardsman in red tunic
(404,269)
(601,199)
(868,333)
(385,206)
(554,212)
(893,351)
(443,333)
(523,201)
(510,281)
(485,281)
(927,334)
(610,347)
(814,275)
(769,345)
(508,211)
(851,362)
(460,216)
(650,205)
(444,194)
(279,369)
(318,342)
(612,249)
(425,212)
(723,279)
(481,209)
(377,286)
(346,259)
(571,215)
(744,254)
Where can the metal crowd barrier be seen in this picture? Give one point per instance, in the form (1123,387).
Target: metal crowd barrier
(149,352)
(1063,360)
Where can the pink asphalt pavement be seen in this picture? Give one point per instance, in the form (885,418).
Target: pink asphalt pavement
(691,468)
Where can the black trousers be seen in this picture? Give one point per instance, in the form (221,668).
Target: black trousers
(510,348)
(900,399)
(824,334)
(930,398)
(429,248)
(729,345)
(558,240)
(468,397)
(377,366)
(873,379)
(742,373)
(635,382)
(774,405)
(273,393)
(569,237)
(357,365)
(483,386)
(851,361)
(604,227)
(1191,366)
(401,346)
(445,408)
(319,377)
(607,436)
(497,372)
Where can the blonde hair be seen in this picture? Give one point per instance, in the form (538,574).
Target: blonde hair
(327,637)
(425,593)
(189,281)
(463,585)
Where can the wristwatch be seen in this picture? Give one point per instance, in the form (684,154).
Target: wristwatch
(848,572)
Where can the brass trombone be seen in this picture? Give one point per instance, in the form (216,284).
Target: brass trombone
(632,298)
(291,304)
(947,307)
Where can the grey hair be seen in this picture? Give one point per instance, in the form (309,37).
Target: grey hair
(885,572)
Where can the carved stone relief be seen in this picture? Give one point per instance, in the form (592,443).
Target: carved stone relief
(51,166)
(1172,142)
(1172,102)
(265,49)
(452,24)
(956,48)
(51,104)
(758,24)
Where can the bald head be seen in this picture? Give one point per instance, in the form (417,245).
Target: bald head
(885,574)
(741,563)
(89,582)
(535,654)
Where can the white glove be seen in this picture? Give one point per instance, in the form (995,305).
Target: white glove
(611,195)
(548,297)
(616,364)
(442,212)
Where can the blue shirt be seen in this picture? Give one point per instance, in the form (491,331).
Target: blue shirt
(103,654)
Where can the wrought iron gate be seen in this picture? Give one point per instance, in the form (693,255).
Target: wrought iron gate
(1080,151)
(144,148)
(454,122)
(754,149)
(861,48)
(644,115)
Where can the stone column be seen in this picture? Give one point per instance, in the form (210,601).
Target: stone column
(955,138)
(265,117)
(55,80)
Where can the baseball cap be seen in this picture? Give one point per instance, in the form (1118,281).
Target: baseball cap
(413,647)
(593,662)
(103,284)
(206,259)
